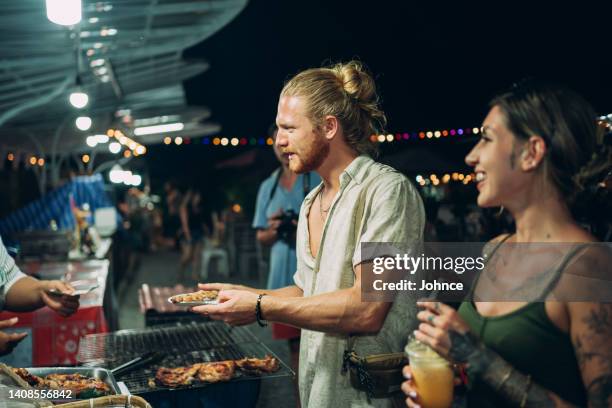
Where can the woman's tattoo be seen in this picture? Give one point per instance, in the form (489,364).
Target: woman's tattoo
(462,346)
(490,368)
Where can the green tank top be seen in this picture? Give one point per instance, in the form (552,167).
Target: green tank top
(532,344)
(528,340)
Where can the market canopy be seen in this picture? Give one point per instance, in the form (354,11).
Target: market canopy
(126,55)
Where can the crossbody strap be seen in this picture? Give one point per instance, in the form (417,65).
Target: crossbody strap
(358,227)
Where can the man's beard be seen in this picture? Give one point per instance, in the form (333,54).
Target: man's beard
(312,157)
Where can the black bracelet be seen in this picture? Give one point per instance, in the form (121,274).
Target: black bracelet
(260,320)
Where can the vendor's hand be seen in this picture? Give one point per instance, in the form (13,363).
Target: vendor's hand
(8,341)
(236,307)
(444,330)
(410,389)
(66,304)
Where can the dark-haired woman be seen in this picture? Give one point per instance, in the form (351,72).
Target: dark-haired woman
(539,148)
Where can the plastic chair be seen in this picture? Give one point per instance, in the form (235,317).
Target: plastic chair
(208,254)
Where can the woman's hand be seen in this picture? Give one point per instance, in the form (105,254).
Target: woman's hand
(409,388)
(444,330)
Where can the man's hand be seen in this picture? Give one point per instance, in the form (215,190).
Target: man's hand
(220,286)
(236,307)
(65,304)
(9,341)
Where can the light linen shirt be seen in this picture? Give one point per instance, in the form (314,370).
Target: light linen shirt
(375,203)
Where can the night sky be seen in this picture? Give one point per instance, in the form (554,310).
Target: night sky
(436,64)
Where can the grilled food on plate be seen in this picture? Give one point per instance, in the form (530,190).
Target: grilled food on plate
(208,296)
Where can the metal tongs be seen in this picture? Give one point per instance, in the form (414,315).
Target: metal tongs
(145,359)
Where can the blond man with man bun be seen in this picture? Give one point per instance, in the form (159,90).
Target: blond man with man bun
(325,119)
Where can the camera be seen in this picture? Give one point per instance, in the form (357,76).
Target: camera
(286,229)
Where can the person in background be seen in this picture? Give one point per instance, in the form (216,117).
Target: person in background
(22,293)
(540,151)
(279,200)
(194,230)
(172,222)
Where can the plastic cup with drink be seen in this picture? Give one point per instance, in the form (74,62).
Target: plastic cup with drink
(432,375)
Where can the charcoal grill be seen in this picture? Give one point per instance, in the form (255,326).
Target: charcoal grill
(181,345)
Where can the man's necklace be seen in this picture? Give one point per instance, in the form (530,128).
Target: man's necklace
(322,212)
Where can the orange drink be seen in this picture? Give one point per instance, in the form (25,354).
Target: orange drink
(432,374)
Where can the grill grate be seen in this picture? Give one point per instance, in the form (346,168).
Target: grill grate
(181,345)
(123,345)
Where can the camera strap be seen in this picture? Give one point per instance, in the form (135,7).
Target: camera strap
(279,173)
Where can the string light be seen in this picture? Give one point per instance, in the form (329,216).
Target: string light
(438,179)
(11,157)
(85,158)
(430,134)
(41,162)
(375,138)
(33,160)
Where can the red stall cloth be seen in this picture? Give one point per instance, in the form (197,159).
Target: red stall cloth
(54,340)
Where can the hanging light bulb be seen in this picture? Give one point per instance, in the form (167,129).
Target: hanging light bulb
(114,147)
(64,12)
(79,99)
(83,122)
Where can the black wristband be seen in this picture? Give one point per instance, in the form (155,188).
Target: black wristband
(260,320)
